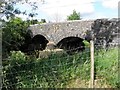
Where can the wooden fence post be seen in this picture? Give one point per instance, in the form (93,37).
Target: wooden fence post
(92,64)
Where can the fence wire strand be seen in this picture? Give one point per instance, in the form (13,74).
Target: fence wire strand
(53,71)
(64,63)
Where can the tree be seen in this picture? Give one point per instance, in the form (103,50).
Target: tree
(31,22)
(13,35)
(43,21)
(8,10)
(14,30)
(74,16)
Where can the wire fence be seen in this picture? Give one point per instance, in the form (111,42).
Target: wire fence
(62,70)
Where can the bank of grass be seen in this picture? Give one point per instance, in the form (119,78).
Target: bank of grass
(61,70)
(106,63)
(106,71)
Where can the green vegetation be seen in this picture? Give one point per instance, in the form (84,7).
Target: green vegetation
(54,71)
(60,70)
(74,16)
(87,44)
(13,34)
(106,63)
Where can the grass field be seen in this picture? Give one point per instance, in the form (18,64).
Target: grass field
(61,70)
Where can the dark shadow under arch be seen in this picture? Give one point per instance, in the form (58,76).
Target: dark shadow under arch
(71,44)
(39,42)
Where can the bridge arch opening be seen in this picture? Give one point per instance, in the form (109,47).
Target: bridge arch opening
(71,44)
(39,42)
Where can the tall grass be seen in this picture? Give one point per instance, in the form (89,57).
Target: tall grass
(59,70)
(106,66)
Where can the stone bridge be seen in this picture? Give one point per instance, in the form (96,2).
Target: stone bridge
(57,31)
(102,31)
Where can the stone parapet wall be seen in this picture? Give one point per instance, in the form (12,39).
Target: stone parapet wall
(102,31)
(57,31)
(106,32)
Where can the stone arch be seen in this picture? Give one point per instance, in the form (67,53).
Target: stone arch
(71,44)
(39,42)
(42,34)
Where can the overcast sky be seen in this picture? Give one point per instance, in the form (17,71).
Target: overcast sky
(53,10)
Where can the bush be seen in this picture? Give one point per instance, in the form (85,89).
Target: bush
(14,66)
(14,33)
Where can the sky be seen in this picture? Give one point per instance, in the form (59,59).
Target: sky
(58,10)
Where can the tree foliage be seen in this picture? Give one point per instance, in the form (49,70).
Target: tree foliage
(13,34)
(8,10)
(14,30)
(74,16)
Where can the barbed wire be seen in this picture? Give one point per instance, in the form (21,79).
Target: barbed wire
(48,60)
(71,60)
(43,67)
